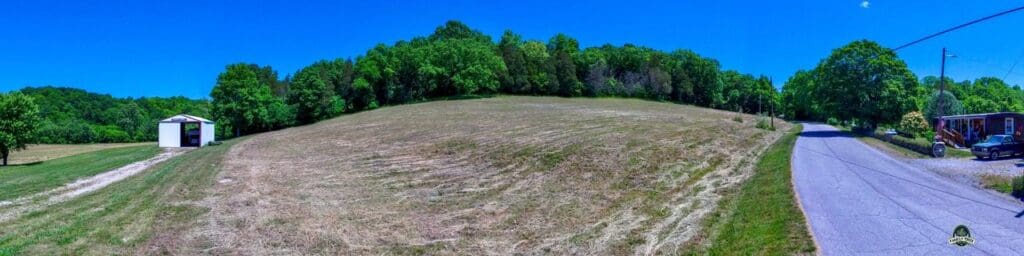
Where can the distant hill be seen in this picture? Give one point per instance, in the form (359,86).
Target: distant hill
(72,115)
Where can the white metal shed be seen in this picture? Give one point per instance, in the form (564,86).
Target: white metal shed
(185,131)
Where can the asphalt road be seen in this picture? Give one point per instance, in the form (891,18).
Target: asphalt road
(861,201)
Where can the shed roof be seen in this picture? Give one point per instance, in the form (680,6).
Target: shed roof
(183,118)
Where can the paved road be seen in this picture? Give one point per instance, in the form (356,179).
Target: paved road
(861,201)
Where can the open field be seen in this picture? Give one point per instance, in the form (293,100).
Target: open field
(491,176)
(133,216)
(43,152)
(22,180)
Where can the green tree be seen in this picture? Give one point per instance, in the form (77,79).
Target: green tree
(540,68)
(700,83)
(468,66)
(19,118)
(950,106)
(659,81)
(798,102)
(454,29)
(517,80)
(313,91)
(245,102)
(867,82)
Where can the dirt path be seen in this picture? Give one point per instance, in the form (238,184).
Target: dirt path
(14,208)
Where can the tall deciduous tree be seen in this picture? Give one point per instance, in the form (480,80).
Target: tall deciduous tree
(867,82)
(949,106)
(313,91)
(246,103)
(517,79)
(19,118)
(797,97)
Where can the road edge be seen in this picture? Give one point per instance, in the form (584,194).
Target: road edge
(796,196)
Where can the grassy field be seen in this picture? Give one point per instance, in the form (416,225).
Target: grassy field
(763,216)
(144,214)
(504,175)
(22,180)
(43,152)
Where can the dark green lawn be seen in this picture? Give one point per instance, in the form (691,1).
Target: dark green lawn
(22,180)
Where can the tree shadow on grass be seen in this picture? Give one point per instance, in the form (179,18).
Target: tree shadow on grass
(826,134)
(23,164)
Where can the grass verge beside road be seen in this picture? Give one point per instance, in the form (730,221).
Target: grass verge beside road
(900,151)
(144,214)
(763,217)
(23,180)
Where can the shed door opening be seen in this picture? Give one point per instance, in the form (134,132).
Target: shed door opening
(190,133)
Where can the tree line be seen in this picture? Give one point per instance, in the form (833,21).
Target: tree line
(456,60)
(870,85)
(70,115)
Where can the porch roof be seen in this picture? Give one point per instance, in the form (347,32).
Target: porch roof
(981,115)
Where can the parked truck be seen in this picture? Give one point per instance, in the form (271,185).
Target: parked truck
(997,146)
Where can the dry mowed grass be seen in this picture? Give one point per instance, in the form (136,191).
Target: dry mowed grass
(43,152)
(533,175)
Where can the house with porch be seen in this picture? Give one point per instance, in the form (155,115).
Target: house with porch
(965,130)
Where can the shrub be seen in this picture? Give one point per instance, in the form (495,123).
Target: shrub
(832,121)
(911,144)
(764,122)
(1018,187)
(914,124)
(110,134)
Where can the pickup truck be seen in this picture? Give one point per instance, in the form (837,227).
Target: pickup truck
(996,146)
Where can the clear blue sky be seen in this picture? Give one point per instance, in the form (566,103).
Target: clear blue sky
(168,48)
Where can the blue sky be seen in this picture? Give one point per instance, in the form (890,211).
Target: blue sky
(169,48)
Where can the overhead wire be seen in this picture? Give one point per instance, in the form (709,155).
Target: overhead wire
(959,27)
(1013,66)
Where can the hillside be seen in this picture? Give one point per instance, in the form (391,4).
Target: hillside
(489,176)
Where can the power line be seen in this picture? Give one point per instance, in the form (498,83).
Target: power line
(1013,66)
(959,27)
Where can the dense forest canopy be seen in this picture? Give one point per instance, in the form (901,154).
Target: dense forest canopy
(457,61)
(72,115)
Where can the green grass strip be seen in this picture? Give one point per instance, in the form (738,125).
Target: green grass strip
(764,217)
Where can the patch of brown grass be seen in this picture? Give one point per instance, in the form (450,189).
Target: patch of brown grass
(492,176)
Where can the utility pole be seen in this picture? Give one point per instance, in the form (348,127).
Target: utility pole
(942,88)
(938,147)
(773,102)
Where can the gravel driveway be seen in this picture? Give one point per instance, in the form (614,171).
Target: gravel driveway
(968,170)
